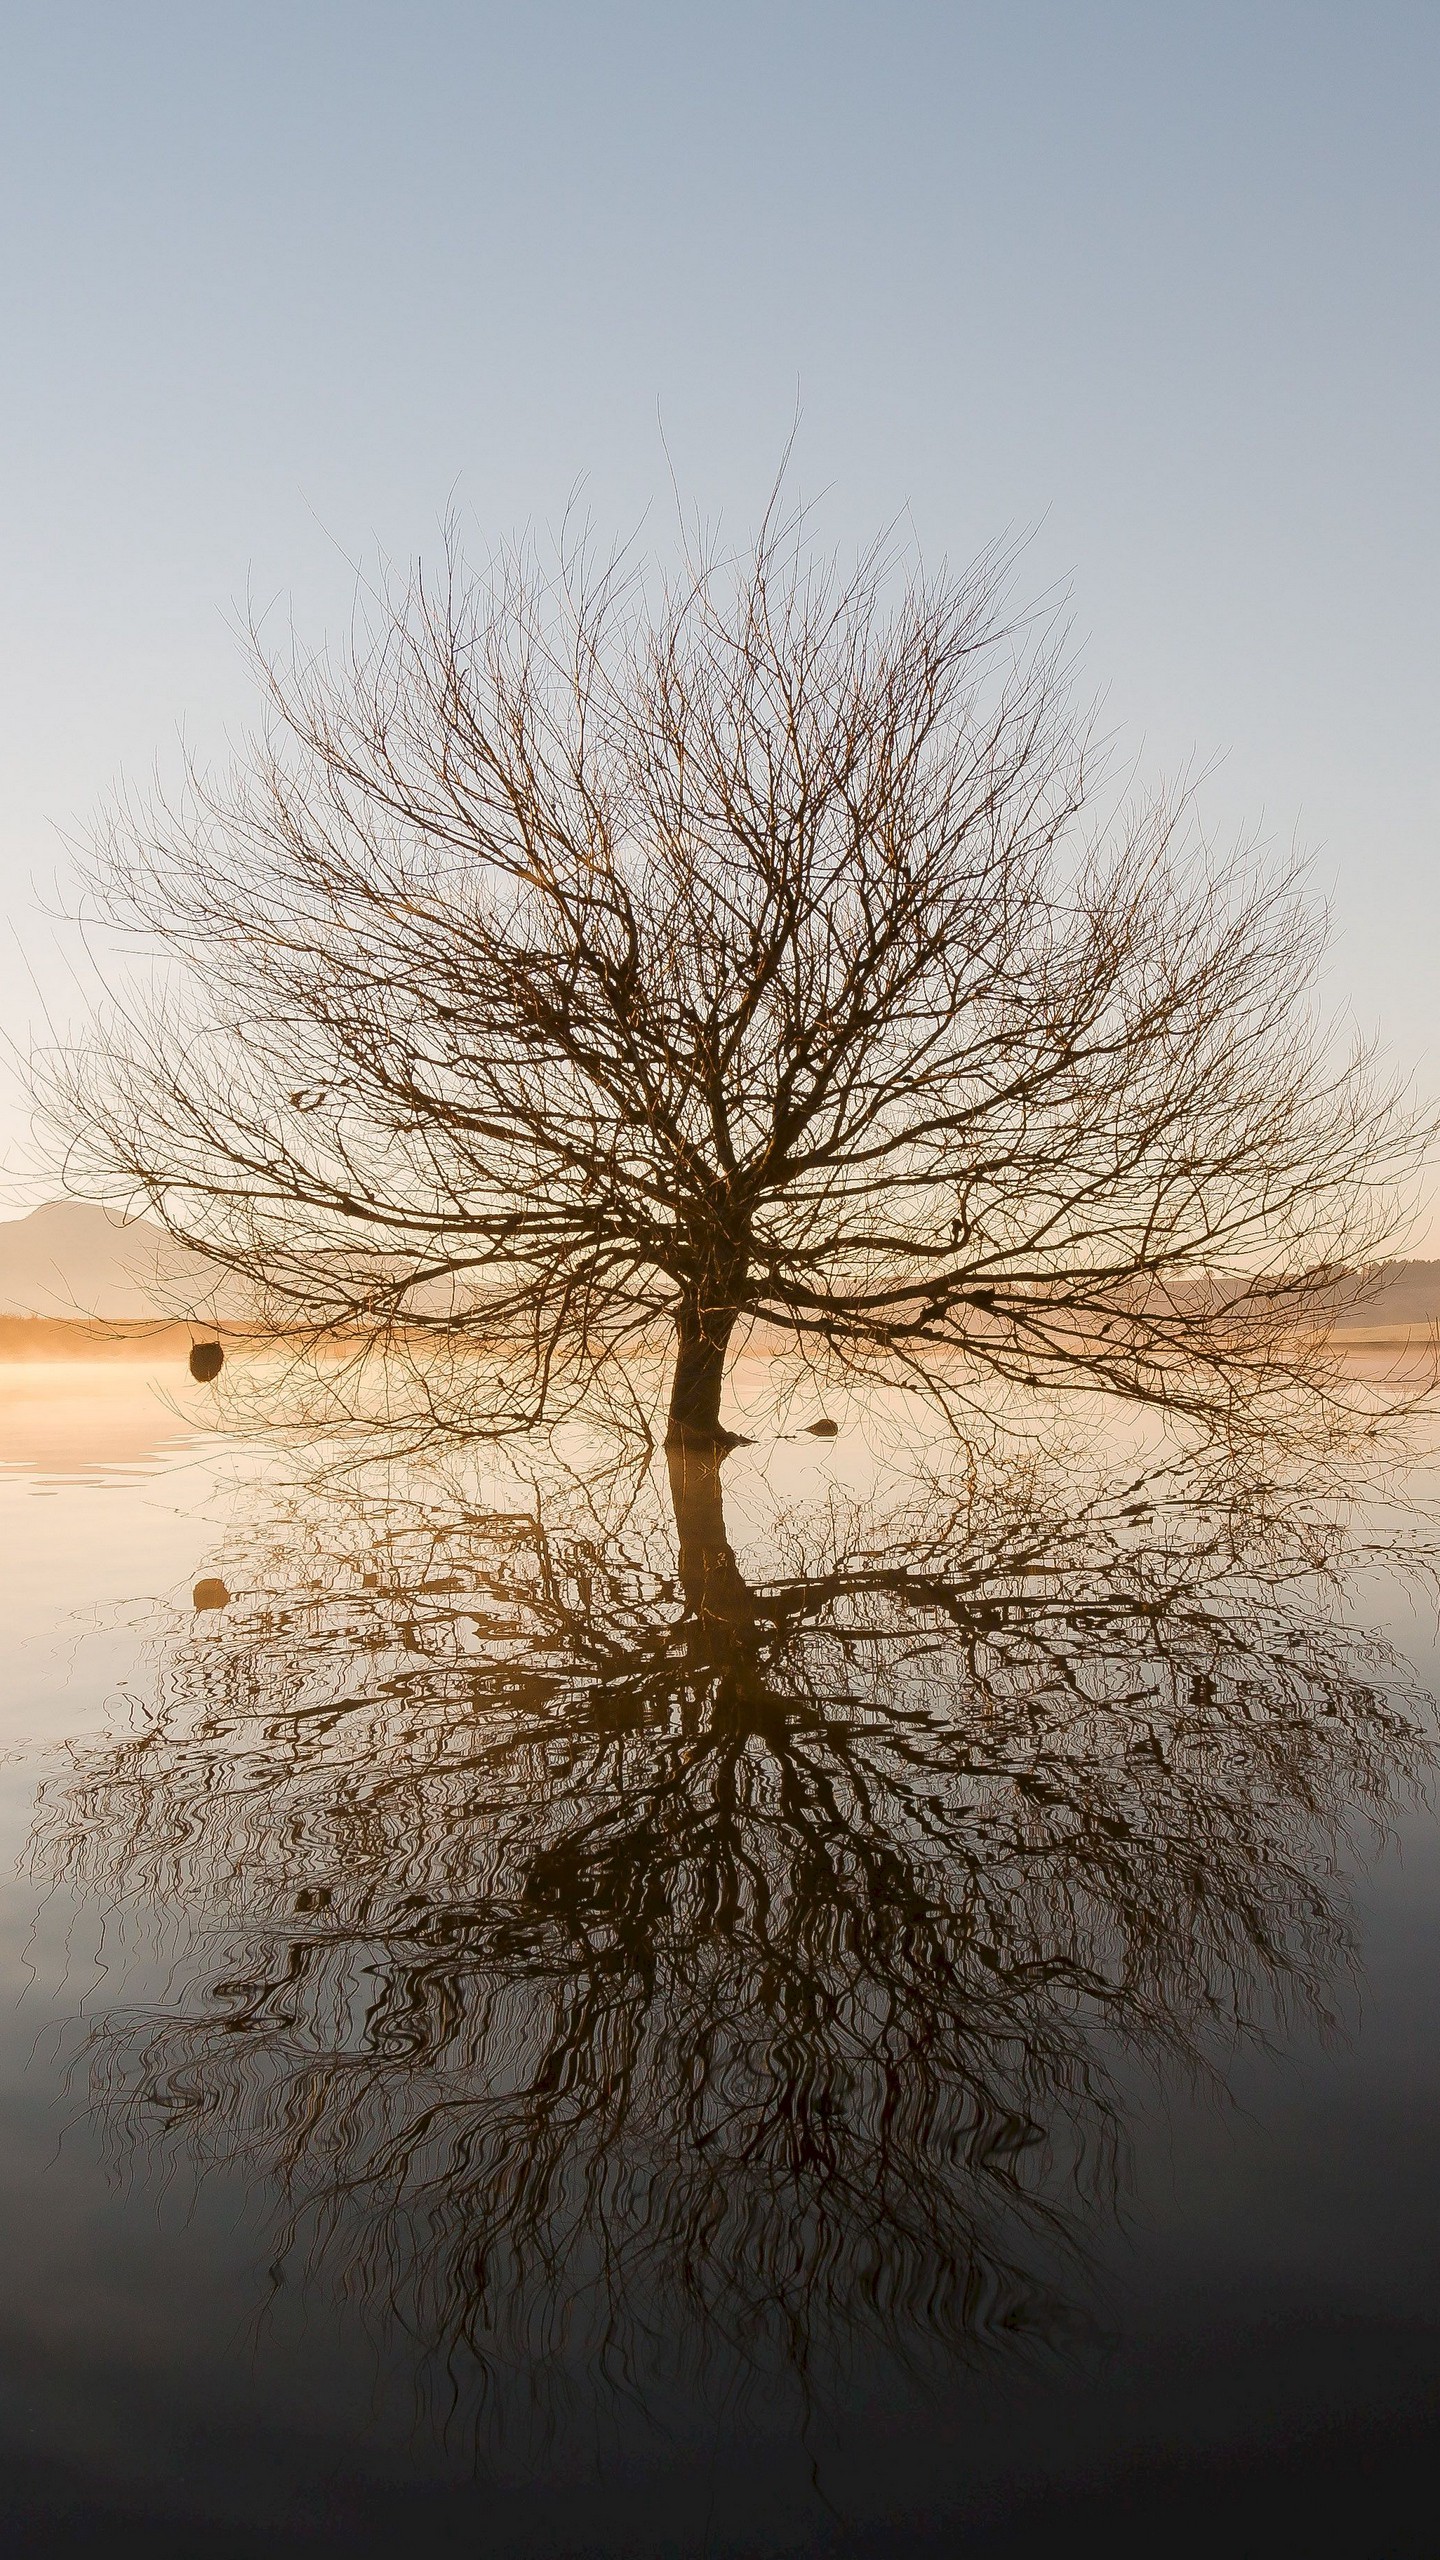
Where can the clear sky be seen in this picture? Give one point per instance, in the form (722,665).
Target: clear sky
(282,279)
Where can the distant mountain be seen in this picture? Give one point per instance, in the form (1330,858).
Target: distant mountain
(75,1260)
(1403,1293)
(72,1259)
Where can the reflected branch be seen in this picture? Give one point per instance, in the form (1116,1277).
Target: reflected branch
(628,1967)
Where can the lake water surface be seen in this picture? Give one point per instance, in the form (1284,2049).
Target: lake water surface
(903,2021)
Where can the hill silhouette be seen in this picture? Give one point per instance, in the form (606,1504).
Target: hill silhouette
(75,1261)
(1404,1293)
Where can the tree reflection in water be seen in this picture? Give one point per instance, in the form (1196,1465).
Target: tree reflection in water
(624,1971)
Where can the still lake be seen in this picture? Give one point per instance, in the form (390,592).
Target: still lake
(904,2020)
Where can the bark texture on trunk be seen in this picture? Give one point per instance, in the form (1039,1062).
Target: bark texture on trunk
(704,1341)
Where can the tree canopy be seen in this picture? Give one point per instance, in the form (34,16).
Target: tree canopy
(576,961)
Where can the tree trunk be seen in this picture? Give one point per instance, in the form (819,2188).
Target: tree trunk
(716,1591)
(704,1340)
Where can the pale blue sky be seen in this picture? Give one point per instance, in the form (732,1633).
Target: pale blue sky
(279,279)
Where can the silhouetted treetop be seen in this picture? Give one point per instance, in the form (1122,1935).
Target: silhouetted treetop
(573,958)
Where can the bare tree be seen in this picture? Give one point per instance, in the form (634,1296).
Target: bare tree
(567,962)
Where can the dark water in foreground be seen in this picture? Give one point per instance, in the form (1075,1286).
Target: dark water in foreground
(902,2021)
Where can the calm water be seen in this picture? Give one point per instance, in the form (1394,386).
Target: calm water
(902,2018)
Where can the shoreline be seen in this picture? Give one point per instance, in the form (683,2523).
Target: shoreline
(25,1340)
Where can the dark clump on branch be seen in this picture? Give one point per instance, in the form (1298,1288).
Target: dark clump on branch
(207,1359)
(572,966)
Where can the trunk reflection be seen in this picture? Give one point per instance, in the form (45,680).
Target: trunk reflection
(619,1967)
